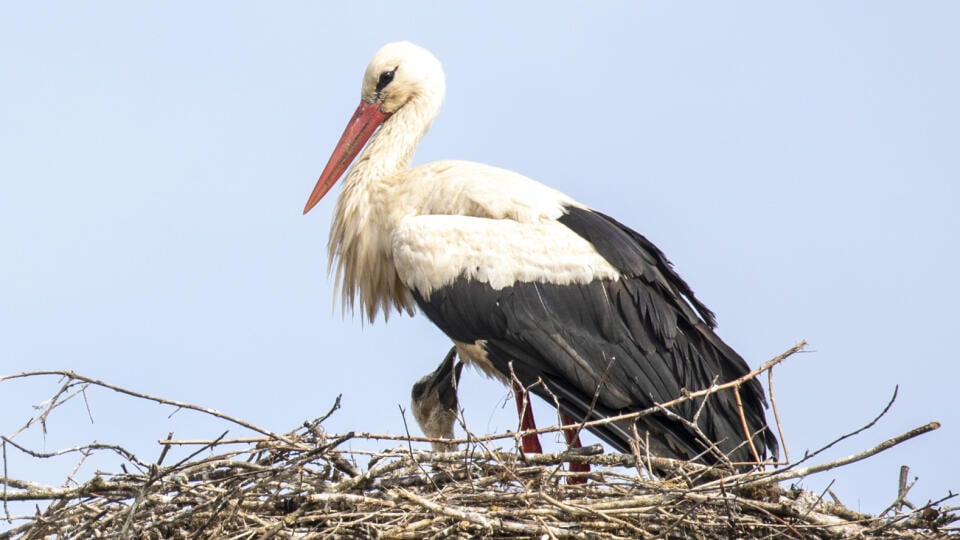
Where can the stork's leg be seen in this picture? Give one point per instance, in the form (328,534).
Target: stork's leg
(573,441)
(530,443)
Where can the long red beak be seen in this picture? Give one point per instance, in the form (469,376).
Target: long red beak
(365,121)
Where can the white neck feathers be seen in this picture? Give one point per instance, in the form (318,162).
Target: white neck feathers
(359,244)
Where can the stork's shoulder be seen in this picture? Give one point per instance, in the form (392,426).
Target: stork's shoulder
(474,189)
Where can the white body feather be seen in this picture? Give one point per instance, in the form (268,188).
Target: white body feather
(432,251)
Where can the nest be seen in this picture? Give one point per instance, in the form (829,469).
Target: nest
(303,484)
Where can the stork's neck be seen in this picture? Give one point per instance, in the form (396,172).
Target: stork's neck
(391,148)
(360,236)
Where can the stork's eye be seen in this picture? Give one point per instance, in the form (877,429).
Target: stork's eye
(385,79)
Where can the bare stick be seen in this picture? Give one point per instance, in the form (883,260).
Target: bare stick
(141,395)
(406,429)
(845,436)
(902,489)
(788,473)
(126,454)
(596,396)
(743,424)
(333,408)
(703,404)
(6,474)
(776,416)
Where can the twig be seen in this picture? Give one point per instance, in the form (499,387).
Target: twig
(126,454)
(141,395)
(333,408)
(776,416)
(596,396)
(902,489)
(789,472)
(868,425)
(819,497)
(406,429)
(6,474)
(743,423)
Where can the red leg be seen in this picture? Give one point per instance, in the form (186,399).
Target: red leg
(530,443)
(573,441)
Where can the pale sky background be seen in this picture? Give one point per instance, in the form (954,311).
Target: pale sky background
(799,163)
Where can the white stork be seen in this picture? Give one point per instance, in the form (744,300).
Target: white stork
(528,282)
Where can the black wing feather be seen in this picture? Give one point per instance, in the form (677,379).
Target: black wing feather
(631,252)
(703,356)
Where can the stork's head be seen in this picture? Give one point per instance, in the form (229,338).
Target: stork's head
(400,72)
(434,401)
(399,75)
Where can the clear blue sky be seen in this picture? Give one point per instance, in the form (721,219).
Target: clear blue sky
(799,162)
